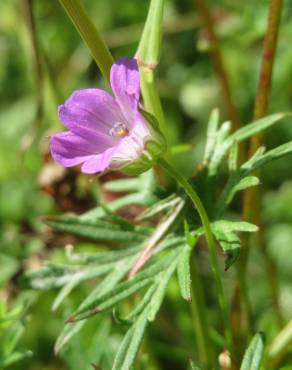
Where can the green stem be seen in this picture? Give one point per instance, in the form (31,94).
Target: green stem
(90,35)
(151,99)
(211,245)
(198,307)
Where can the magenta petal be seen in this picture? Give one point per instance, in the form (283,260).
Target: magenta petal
(99,163)
(69,149)
(90,109)
(126,85)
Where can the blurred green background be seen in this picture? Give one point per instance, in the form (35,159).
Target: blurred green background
(41,63)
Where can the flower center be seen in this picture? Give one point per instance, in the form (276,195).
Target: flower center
(119,130)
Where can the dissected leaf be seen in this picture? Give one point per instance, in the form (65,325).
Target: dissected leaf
(143,199)
(271,155)
(233,157)
(220,148)
(123,290)
(119,271)
(143,303)
(281,344)
(230,244)
(130,344)
(161,206)
(234,185)
(255,127)
(227,226)
(95,230)
(211,135)
(123,185)
(162,282)
(184,274)
(225,234)
(224,143)
(254,354)
(64,292)
(57,276)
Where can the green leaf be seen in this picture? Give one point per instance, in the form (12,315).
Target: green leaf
(255,127)
(119,271)
(14,357)
(225,233)
(233,186)
(230,243)
(162,282)
(145,183)
(229,226)
(123,185)
(254,354)
(123,290)
(244,183)
(143,199)
(240,179)
(64,292)
(233,158)
(56,276)
(194,367)
(95,230)
(213,124)
(130,344)
(109,300)
(271,155)
(180,149)
(184,274)
(150,43)
(220,147)
(224,143)
(110,256)
(143,303)
(161,206)
(281,344)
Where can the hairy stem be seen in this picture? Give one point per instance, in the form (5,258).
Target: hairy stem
(208,23)
(211,245)
(90,35)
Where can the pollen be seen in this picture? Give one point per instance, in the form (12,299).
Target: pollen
(119,130)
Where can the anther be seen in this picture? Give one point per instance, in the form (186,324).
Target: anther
(119,130)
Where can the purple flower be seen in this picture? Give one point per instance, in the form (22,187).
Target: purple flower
(105,132)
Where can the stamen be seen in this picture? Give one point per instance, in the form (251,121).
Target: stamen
(119,130)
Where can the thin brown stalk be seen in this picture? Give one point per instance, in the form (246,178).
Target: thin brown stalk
(252,196)
(208,23)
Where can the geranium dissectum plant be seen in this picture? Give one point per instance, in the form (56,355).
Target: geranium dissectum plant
(108,132)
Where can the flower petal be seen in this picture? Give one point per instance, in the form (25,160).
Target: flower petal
(98,163)
(131,147)
(125,84)
(69,149)
(93,110)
